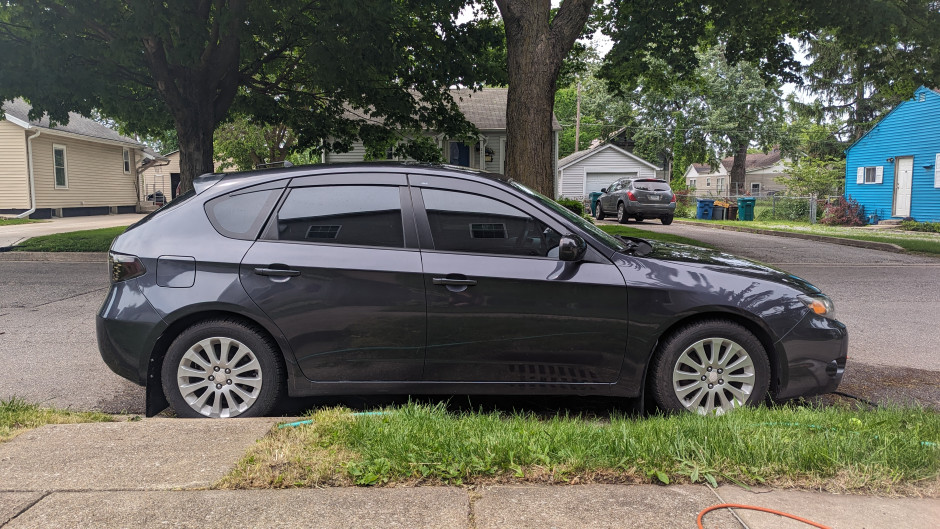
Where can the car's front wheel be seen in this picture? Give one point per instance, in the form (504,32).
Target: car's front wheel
(710,367)
(221,369)
(622,214)
(666,220)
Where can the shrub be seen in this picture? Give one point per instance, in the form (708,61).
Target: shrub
(574,205)
(913,225)
(843,212)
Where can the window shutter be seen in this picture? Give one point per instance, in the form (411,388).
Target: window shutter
(879,174)
(860,178)
(936,171)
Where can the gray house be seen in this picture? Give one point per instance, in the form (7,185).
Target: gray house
(486,109)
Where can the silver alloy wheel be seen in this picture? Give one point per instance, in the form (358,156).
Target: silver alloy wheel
(713,375)
(219,377)
(621,213)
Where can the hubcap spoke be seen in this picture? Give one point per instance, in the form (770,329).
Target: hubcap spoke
(684,391)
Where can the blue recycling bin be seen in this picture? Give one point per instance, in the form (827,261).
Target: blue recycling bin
(594,196)
(704,209)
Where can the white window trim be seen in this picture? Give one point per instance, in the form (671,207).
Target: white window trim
(65,168)
(708,182)
(127,161)
(862,176)
(936,171)
(755,184)
(720,183)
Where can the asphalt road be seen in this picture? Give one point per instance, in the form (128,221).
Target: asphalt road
(890,302)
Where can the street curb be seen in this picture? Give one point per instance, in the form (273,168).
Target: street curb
(55,257)
(870,245)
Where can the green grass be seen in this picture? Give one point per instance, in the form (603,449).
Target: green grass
(17,416)
(11,222)
(886,450)
(77,241)
(627,231)
(920,242)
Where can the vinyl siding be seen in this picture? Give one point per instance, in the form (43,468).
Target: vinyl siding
(356,154)
(571,179)
(911,129)
(158,177)
(14,172)
(95,174)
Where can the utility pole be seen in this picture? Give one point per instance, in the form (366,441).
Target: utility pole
(577,121)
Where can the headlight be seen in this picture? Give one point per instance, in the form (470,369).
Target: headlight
(819,304)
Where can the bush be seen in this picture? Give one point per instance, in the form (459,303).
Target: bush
(843,212)
(574,205)
(913,225)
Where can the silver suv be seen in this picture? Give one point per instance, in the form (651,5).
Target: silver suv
(640,198)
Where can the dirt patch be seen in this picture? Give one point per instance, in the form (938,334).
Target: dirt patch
(892,386)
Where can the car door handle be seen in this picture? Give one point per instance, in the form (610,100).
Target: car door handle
(459,282)
(277,272)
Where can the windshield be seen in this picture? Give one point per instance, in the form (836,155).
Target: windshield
(609,240)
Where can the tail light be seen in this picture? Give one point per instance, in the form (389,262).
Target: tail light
(631,196)
(124,267)
(673,198)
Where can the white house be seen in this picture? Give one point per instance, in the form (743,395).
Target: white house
(486,109)
(761,172)
(585,172)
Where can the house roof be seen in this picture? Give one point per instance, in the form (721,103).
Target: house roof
(18,109)
(751,163)
(580,155)
(486,108)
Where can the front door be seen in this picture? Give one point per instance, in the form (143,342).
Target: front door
(903,179)
(174,184)
(334,273)
(459,154)
(502,307)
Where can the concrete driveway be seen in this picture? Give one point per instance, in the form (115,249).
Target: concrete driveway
(889,301)
(17,233)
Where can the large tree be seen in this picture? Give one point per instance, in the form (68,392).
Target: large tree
(325,68)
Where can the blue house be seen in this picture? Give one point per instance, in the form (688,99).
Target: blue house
(894,169)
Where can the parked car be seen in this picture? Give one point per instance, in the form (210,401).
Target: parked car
(639,198)
(395,278)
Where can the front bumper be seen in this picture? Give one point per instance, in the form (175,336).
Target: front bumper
(814,356)
(127,327)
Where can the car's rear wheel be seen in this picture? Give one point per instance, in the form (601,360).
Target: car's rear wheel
(622,214)
(666,220)
(710,367)
(598,212)
(221,369)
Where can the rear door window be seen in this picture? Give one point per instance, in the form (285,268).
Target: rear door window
(358,215)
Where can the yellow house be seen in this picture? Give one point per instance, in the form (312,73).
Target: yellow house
(83,168)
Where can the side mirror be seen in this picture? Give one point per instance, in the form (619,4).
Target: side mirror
(603,190)
(571,248)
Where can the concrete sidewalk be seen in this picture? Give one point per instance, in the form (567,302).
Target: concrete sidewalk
(159,473)
(17,233)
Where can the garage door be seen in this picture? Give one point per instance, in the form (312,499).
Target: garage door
(596,181)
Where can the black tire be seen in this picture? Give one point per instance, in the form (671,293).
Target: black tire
(253,361)
(666,220)
(639,218)
(598,212)
(622,217)
(697,395)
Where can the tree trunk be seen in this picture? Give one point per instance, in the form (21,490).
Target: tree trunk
(535,50)
(737,169)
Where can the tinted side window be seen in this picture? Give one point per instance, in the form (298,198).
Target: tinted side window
(240,215)
(463,222)
(355,215)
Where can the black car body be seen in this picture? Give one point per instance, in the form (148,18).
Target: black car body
(637,198)
(395,278)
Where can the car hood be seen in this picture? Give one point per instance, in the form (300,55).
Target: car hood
(725,263)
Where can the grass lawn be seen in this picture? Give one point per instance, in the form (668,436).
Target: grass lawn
(627,231)
(912,241)
(17,416)
(76,241)
(836,449)
(11,222)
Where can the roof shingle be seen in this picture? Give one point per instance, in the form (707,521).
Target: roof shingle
(19,109)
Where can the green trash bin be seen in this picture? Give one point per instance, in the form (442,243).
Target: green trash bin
(746,208)
(594,196)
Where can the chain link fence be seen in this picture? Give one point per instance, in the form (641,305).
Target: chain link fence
(777,207)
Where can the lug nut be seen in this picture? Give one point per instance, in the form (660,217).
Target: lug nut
(211,378)
(229,382)
(704,377)
(711,386)
(227,370)
(709,369)
(218,386)
(216,368)
(720,381)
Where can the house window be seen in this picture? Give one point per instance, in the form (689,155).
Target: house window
(708,182)
(127,160)
(60,167)
(691,183)
(721,183)
(755,188)
(870,175)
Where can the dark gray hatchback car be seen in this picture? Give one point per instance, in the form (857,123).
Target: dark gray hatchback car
(394,278)
(637,198)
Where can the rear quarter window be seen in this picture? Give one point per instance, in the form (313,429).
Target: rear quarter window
(241,215)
